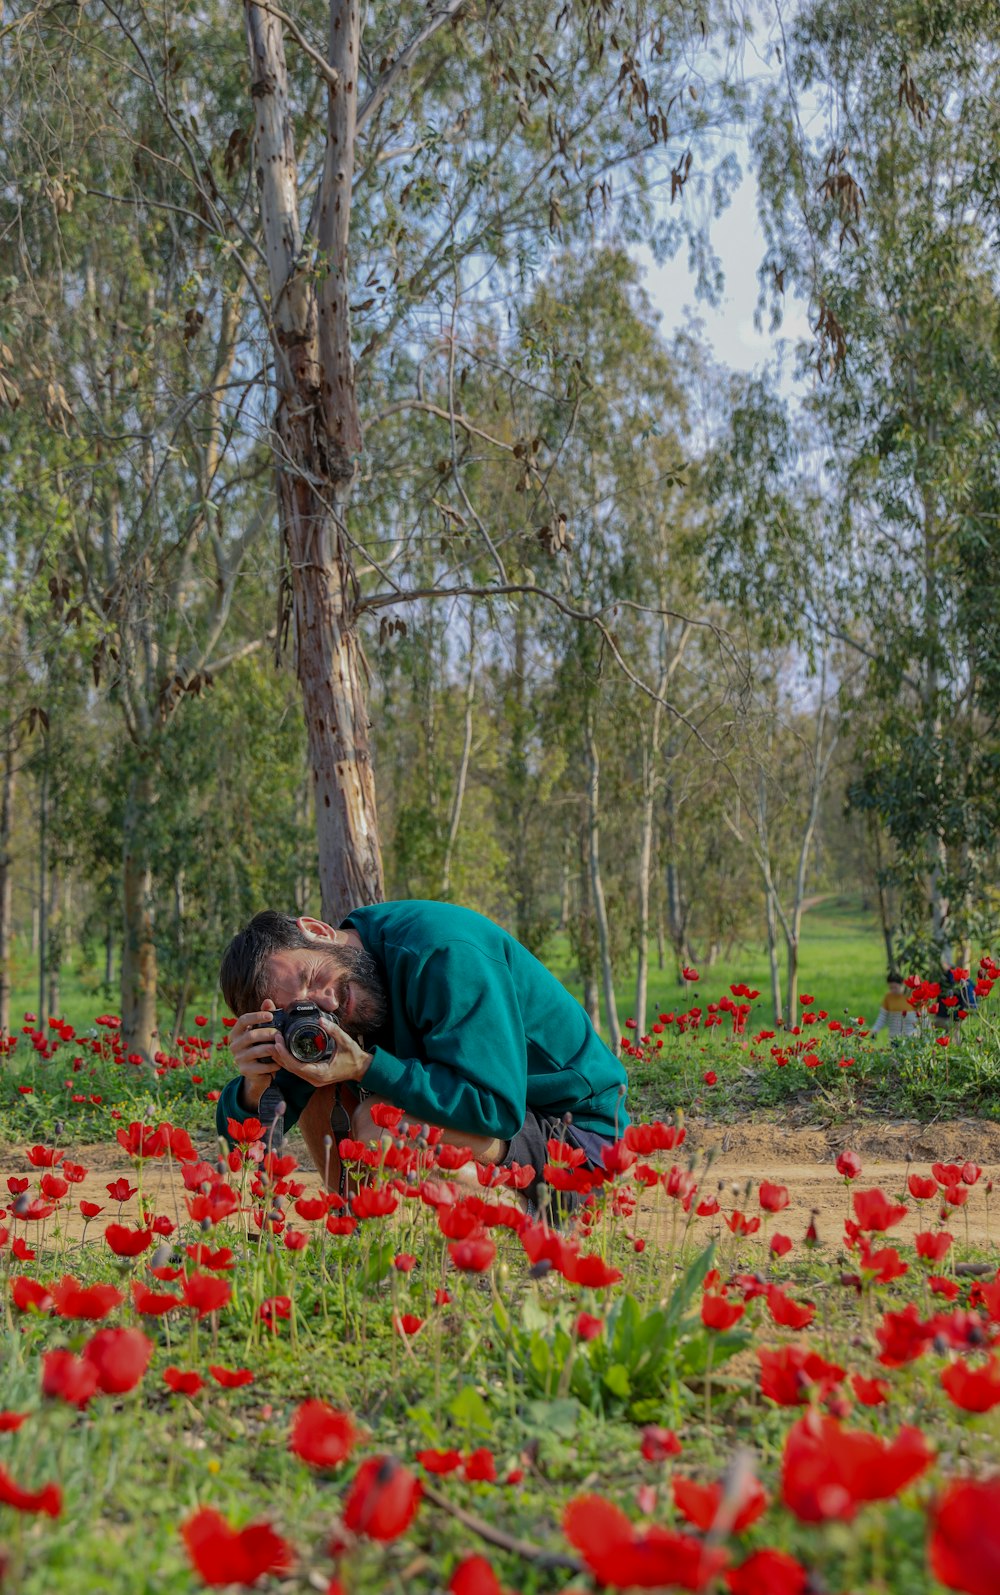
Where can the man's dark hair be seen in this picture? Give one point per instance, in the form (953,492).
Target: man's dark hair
(243,974)
(895,978)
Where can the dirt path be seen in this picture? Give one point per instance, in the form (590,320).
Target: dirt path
(726,1160)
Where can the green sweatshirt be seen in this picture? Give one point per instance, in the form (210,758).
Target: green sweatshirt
(478,1030)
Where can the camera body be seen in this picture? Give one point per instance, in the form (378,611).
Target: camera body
(301,1028)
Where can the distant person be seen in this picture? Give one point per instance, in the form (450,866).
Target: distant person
(957,1000)
(896,1016)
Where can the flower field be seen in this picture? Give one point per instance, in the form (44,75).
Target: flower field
(216,1374)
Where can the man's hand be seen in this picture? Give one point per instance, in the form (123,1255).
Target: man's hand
(349,1062)
(252,1044)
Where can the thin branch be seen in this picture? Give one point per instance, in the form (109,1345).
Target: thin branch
(505,1542)
(329,74)
(405,60)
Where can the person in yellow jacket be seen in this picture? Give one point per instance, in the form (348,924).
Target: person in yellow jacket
(895,1016)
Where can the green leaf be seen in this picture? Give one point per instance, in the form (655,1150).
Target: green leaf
(618,1382)
(469,1410)
(554,1417)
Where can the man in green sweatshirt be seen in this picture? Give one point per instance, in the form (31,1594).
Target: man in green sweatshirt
(433,1009)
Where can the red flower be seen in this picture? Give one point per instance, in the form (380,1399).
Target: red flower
(53,1187)
(617,1158)
(182,1383)
(659,1444)
(964,1548)
(222,1555)
(73,1300)
(474,1255)
(786,1312)
(206,1294)
(127,1242)
(47,1500)
(407,1323)
(588,1327)
(921,1189)
(142,1140)
(903,1337)
(829,1472)
(474,1576)
(590,1271)
(849,1165)
(781,1245)
(874,1211)
(718,1313)
(120,1357)
(272,1308)
(373,1201)
(933,1246)
(973,1389)
(230,1378)
(120,1190)
(68,1378)
(710,1077)
(91,1209)
(382,1500)
(620,1555)
(768,1573)
(709,1505)
(11,1421)
(440,1461)
(788,1375)
(30,1295)
(689,974)
(43,1157)
(321,1435)
(870,1392)
(153,1303)
(740,1224)
(773,1198)
(479,1465)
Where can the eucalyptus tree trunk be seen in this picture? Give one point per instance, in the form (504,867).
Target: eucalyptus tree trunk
(6,879)
(597,886)
(43,888)
(139,969)
(317,433)
(461,779)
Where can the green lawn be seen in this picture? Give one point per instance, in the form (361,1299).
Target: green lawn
(842,961)
(842,964)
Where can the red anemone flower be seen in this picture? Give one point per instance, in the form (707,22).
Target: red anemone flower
(473,1255)
(964,1548)
(382,1500)
(768,1572)
(786,1312)
(73,1300)
(829,1472)
(973,1389)
(773,1198)
(874,1211)
(183,1382)
(230,1378)
(223,1555)
(440,1461)
(708,1505)
(120,1357)
(48,1499)
(68,1378)
(718,1313)
(127,1242)
(659,1444)
(620,1555)
(320,1435)
(206,1294)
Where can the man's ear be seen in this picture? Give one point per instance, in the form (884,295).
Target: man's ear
(316,929)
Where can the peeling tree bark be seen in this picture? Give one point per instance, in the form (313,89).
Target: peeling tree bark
(317,443)
(6,879)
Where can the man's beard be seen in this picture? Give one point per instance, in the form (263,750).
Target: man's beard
(368,994)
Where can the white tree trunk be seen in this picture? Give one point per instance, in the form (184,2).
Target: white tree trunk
(317,446)
(597,888)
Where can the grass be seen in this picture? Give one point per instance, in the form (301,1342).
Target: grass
(842,964)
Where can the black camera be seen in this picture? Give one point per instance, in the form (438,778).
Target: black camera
(304,1034)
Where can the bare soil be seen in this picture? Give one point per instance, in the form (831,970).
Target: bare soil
(727,1160)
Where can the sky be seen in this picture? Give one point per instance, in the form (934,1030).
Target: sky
(729,328)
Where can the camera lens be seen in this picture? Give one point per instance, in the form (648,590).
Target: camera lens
(307,1044)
